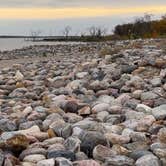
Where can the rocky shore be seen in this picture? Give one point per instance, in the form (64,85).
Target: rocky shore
(92,104)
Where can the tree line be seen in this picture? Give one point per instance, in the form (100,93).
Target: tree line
(143,27)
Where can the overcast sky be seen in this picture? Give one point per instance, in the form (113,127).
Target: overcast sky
(78,3)
(51,16)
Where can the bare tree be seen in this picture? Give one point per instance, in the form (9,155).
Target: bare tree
(97,31)
(67,31)
(35,34)
(148,17)
(101,31)
(139,20)
(164,17)
(82,34)
(92,31)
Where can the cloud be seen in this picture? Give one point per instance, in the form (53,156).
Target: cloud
(61,13)
(78,3)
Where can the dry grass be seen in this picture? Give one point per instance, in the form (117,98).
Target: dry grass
(109,51)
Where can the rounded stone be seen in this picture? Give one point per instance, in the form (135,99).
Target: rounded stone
(34,158)
(148,160)
(162,135)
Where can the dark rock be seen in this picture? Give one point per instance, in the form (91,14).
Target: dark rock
(139,153)
(61,153)
(71,106)
(90,140)
(119,161)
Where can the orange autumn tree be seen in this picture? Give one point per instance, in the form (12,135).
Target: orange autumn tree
(143,27)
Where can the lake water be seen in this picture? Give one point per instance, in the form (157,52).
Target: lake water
(16,43)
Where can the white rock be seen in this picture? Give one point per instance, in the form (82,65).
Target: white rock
(100,107)
(19,76)
(159,112)
(48,162)
(34,158)
(81,75)
(143,108)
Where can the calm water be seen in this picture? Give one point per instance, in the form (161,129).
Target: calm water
(16,43)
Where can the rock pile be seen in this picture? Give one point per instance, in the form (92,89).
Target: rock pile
(86,110)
